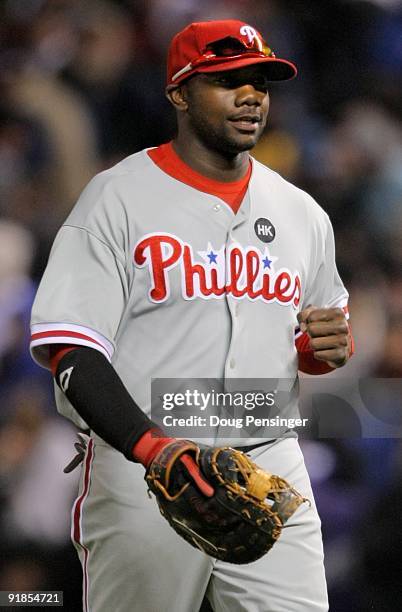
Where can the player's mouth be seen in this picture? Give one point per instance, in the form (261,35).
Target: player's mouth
(246,123)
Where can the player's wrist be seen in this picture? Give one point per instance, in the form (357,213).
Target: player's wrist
(153,441)
(149,445)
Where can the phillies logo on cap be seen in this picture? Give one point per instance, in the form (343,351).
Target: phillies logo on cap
(250,32)
(242,272)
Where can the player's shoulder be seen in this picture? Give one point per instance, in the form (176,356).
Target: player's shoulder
(110,191)
(294,196)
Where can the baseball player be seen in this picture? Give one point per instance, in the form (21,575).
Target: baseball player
(189,260)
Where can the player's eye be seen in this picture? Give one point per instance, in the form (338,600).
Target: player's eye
(224,81)
(260,83)
(233,81)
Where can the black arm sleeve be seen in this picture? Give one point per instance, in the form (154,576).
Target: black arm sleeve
(97,393)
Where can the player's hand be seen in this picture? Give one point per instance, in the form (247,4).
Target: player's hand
(329,333)
(153,442)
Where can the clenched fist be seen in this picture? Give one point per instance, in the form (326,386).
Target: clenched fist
(329,333)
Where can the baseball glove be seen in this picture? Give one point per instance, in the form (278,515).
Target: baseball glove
(244,517)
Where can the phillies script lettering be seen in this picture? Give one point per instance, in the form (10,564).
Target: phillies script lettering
(243,272)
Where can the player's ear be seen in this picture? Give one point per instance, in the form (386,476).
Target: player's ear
(177,96)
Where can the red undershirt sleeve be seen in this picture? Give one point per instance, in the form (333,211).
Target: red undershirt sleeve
(57,352)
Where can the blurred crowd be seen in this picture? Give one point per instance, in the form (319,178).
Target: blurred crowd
(82,86)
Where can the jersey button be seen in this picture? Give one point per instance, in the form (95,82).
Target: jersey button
(217,207)
(232,363)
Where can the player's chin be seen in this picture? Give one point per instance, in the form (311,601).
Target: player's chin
(244,144)
(240,142)
(244,141)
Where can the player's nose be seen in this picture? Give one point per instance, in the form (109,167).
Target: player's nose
(248,94)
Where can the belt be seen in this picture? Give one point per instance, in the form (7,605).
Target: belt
(81,446)
(247,449)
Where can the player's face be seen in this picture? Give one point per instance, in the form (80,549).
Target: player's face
(228,110)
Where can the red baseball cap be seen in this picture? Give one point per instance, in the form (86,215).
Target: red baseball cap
(215,46)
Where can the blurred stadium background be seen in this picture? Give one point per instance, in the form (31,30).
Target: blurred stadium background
(81,86)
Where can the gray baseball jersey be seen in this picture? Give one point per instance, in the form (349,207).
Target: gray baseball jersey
(167,282)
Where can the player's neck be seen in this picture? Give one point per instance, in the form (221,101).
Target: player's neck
(209,163)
